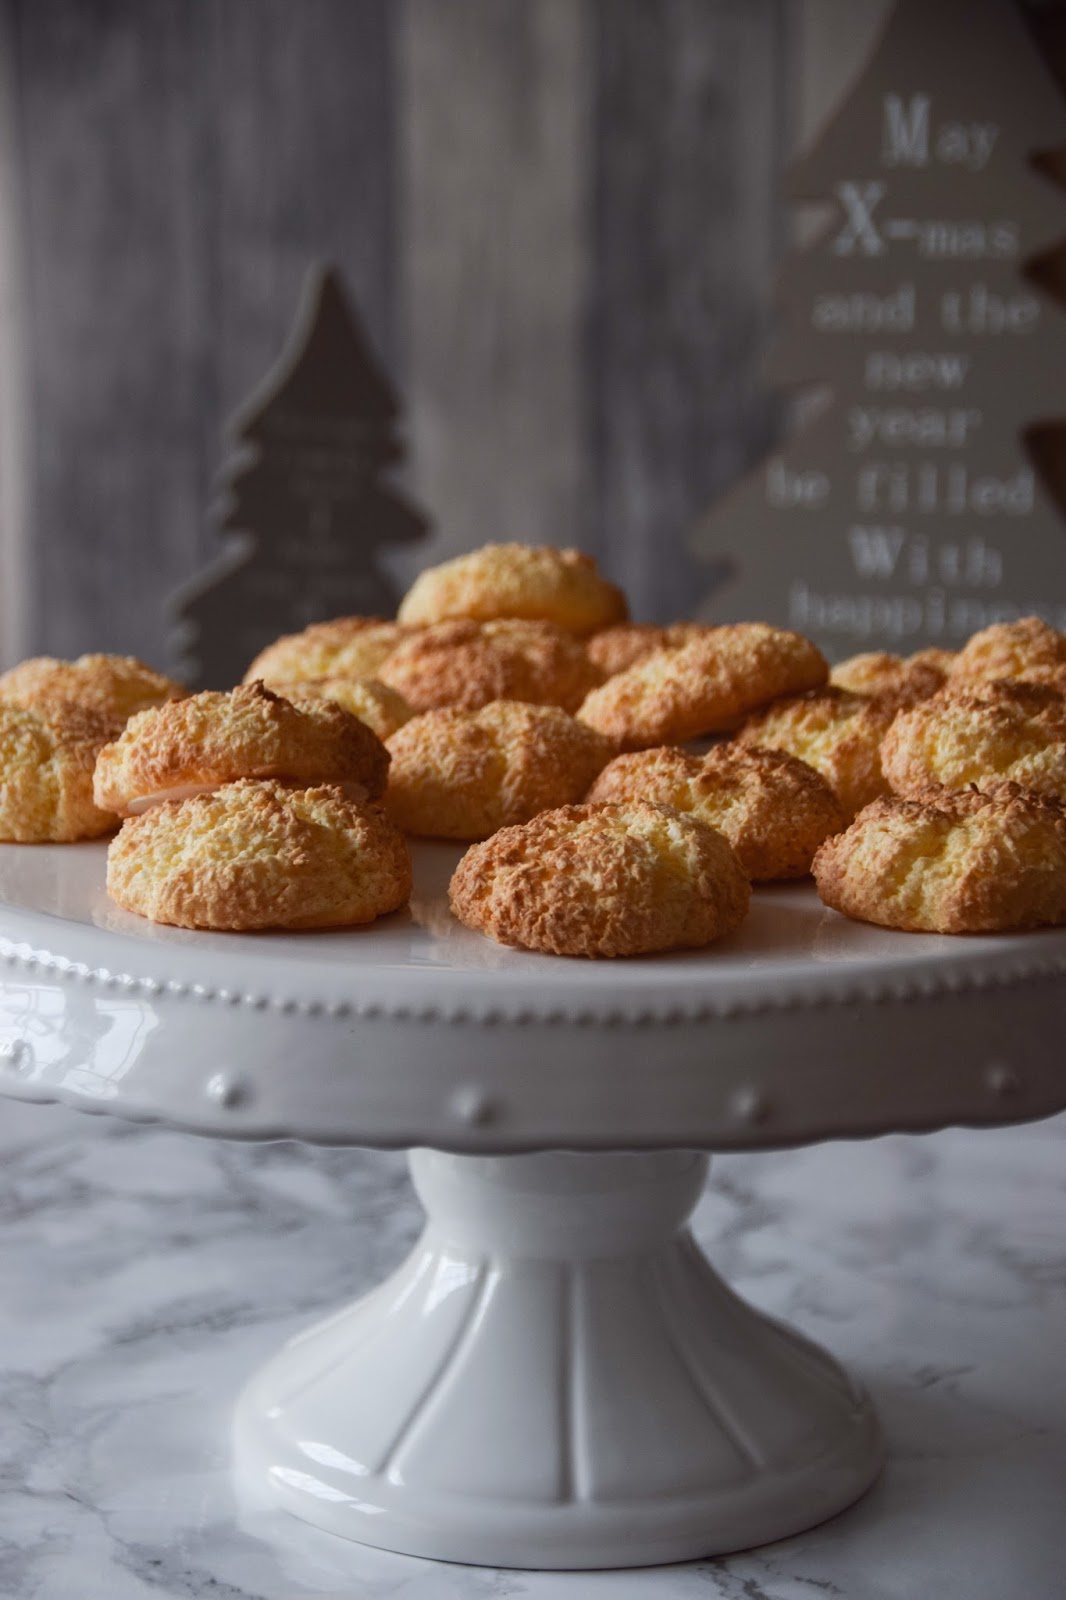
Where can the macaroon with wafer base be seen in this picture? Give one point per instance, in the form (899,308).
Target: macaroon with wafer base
(344,647)
(117,686)
(616,648)
(190,747)
(464,774)
(48,753)
(1004,730)
(603,880)
(470,664)
(907,679)
(1008,650)
(531,583)
(774,809)
(951,861)
(255,855)
(836,732)
(706,686)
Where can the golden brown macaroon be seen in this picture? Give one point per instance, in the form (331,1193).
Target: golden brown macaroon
(603,880)
(463,774)
(260,855)
(345,647)
(47,755)
(190,746)
(704,686)
(1009,730)
(837,733)
(951,861)
(907,679)
(1009,650)
(774,810)
(118,686)
(534,583)
(470,664)
(382,708)
(615,649)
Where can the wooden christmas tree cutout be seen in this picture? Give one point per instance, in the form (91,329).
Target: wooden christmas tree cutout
(307,506)
(910,511)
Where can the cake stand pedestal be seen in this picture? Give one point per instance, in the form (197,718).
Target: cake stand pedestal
(556,1377)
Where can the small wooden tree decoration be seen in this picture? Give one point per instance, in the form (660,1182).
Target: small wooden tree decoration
(909,512)
(307,504)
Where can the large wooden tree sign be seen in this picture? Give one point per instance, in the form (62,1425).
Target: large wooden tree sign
(307,505)
(922,503)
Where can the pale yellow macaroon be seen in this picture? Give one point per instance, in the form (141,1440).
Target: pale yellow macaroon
(256,854)
(344,647)
(534,583)
(951,861)
(469,664)
(705,686)
(774,809)
(188,747)
(377,704)
(1012,730)
(1009,650)
(463,774)
(834,731)
(118,686)
(47,755)
(603,880)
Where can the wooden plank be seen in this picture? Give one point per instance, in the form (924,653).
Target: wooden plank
(109,173)
(183,165)
(689,127)
(494,215)
(304,128)
(14,529)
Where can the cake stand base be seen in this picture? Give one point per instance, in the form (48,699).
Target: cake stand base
(557,1378)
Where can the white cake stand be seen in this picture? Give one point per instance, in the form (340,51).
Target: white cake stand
(556,1377)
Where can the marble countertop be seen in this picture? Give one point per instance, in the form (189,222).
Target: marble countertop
(145,1274)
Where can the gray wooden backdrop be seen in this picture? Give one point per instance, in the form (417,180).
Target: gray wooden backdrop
(559,217)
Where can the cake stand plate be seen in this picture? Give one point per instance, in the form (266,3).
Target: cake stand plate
(556,1377)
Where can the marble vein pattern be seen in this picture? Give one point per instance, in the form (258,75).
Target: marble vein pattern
(144,1274)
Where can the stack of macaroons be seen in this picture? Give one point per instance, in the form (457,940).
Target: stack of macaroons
(968,831)
(513,706)
(245,810)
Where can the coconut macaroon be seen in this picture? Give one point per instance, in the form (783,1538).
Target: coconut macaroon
(621,646)
(463,774)
(47,755)
(117,686)
(382,708)
(258,854)
(774,810)
(190,747)
(1001,730)
(345,647)
(469,664)
(949,861)
(837,733)
(906,678)
(1009,650)
(603,880)
(534,583)
(704,686)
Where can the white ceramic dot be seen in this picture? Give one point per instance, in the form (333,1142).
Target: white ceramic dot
(470,1104)
(1002,1079)
(225,1091)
